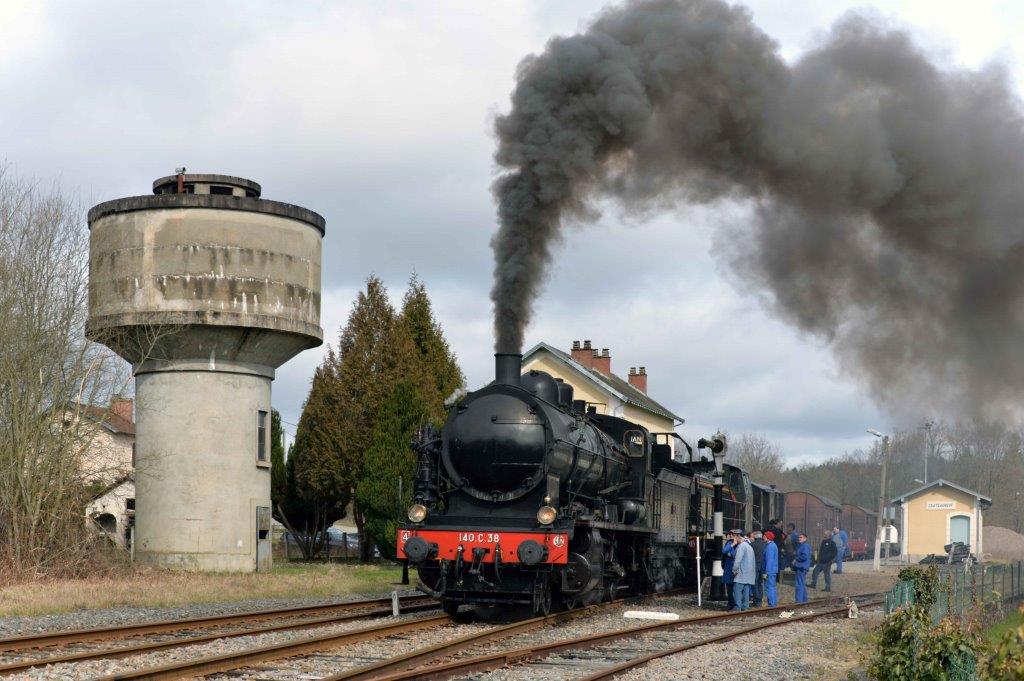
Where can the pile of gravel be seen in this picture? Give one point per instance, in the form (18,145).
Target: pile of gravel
(1002,543)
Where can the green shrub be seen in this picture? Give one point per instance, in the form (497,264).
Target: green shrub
(926,583)
(896,645)
(908,648)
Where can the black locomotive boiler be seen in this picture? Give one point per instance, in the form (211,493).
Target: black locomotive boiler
(525,498)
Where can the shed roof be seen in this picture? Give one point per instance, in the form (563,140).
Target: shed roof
(608,382)
(128,477)
(106,417)
(986,501)
(860,508)
(824,500)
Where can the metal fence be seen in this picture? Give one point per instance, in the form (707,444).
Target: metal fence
(965,589)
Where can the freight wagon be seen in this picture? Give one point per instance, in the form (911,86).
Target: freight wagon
(811,514)
(862,526)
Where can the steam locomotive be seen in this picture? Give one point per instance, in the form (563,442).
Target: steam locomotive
(526,498)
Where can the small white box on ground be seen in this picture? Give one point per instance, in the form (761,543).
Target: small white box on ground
(651,615)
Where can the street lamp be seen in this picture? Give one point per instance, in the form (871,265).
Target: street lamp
(929,445)
(882,520)
(718,447)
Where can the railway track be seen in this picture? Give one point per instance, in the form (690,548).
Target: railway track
(436,661)
(294,618)
(228,662)
(485,662)
(637,662)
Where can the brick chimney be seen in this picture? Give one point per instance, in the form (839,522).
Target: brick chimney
(583,354)
(123,407)
(638,379)
(602,362)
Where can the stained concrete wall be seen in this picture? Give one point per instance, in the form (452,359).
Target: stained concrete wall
(197,478)
(222,269)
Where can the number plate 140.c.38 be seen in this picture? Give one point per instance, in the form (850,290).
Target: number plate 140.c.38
(448,542)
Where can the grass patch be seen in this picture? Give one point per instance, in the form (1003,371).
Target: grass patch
(995,633)
(150,587)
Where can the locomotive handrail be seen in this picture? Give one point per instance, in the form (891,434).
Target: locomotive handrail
(608,490)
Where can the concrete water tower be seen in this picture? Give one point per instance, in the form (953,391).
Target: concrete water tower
(206,289)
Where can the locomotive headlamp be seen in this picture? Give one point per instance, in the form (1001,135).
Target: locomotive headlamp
(417,513)
(546,515)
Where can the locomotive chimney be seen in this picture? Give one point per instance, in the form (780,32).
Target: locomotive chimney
(507,368)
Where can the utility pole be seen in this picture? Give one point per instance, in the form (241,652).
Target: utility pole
(929,445)
(882,521)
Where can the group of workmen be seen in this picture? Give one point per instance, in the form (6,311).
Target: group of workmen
(752,566)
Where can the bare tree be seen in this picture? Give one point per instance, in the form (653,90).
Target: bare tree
(759,456)
(49,377)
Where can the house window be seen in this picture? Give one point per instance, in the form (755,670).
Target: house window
(261,437)
(221,191)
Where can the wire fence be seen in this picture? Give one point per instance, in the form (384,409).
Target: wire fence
(963,591)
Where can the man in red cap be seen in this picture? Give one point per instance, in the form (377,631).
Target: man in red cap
(770,569)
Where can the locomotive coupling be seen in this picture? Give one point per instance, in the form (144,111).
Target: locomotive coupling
(531,553)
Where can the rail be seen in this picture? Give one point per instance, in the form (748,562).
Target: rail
(23,642)
(140,648)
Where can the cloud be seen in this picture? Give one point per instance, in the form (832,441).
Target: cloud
(377,115)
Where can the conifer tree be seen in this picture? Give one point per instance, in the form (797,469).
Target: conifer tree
(388,458)
(373,354)
(432,349)
(317,490)
(278,474)
(377,350)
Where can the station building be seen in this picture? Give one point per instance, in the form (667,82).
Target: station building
(938,514)
(589,371)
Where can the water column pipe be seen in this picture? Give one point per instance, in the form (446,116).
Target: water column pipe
(718,447)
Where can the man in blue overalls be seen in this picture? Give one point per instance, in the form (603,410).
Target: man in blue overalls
(842,541)
(801,563)
(770,569)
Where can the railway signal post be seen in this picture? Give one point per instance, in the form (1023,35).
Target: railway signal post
(717,447)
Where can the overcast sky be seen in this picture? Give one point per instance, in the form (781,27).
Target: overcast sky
(377,115)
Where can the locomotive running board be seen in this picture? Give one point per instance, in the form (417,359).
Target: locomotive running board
(620,527)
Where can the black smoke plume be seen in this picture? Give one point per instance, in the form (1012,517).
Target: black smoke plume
(886,190)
